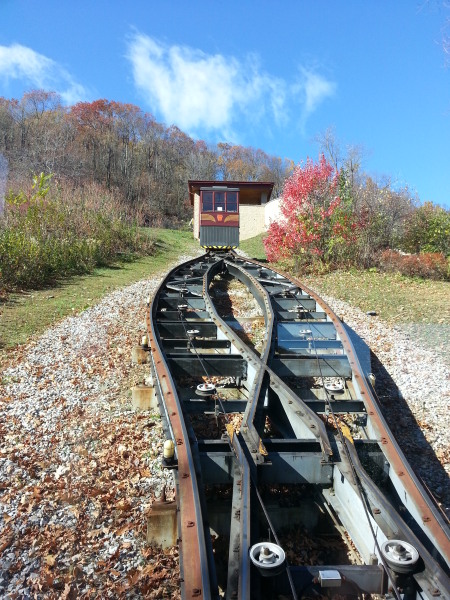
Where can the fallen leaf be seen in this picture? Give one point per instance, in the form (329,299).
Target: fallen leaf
(123,504)
(66,592)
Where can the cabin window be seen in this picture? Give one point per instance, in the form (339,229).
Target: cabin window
(232,205)
(226,201)
(207,198)
(219,201)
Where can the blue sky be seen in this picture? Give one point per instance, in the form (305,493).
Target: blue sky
(260,73)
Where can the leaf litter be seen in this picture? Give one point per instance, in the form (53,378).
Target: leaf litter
(79,469)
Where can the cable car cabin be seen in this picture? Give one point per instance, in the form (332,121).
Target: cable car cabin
(219,217)
(227,212)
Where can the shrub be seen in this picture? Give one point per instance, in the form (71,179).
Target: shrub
(427,230)
(429,265)
(46,234)
(317,227)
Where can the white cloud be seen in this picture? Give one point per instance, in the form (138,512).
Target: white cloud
(314,89)
(186,86)
(198,91)
(22,63)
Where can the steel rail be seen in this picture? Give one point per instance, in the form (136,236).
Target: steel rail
(400,529)
(263,373)
(425,512)
(314,424)
(240,584)
(195,574)
(427,515)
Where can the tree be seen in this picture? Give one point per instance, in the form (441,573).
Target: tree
(316,225)
(349,159)
(119,147)
(381,212)
(201,162)
(427,230)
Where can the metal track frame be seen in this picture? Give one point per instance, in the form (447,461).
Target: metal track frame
(306,454)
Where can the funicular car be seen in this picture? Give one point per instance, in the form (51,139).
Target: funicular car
(219,217)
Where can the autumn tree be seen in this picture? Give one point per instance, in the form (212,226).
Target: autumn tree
(201,162)
(380,207)
(8,131)
(315,225)
(241,163)
(118,146)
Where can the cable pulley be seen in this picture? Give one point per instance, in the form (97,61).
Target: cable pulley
(334,386)
(268,558)
(205,389)
(399,555)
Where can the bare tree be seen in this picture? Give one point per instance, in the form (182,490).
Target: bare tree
(349,158)
(330,147)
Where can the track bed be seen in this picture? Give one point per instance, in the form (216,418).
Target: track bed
(289,482)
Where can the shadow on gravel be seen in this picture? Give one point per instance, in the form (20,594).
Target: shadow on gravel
(407,430)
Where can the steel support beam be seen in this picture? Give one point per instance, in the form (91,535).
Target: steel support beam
(332,366)
(216,365)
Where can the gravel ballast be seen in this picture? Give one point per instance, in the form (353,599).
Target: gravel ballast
(79,469)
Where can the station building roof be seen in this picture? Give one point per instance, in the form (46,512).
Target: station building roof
(250,192)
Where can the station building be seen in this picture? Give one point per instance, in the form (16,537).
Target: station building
(253,199)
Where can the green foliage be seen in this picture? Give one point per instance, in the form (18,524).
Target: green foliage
(45,236)
(26,315)
(40,188)
(427,230)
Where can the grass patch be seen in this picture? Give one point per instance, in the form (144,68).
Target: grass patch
(26,314)
(254,247)
(397,299)
(419,307)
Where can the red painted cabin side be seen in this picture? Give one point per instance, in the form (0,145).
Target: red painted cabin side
(219,217)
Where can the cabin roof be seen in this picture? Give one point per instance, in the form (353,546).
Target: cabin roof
(249,191)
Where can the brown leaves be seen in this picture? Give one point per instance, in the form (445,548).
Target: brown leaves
(123,504)
(6,539)
(76,473)
(80,505)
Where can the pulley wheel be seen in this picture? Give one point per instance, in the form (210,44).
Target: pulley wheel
(400,556)
(334,387)
(268,558)
(205,389)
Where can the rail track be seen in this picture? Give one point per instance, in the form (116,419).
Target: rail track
(289,481)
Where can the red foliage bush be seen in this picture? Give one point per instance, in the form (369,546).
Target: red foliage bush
(315,227)
(430,265)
